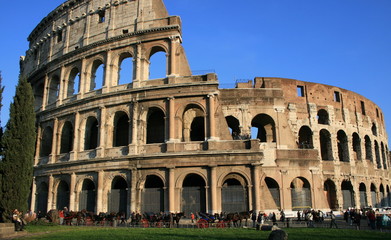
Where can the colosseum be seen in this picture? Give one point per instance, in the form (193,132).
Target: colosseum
(112,139)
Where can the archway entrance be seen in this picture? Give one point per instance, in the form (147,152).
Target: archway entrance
(347,193)
(234,194)
(153,195)
(118,195)
(87,196)
(301,194)
(331,194)
(193,194)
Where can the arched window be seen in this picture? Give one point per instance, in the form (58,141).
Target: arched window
(356,147)
(368,148)
(343,147)
(325,145)
(373,196)
(347,194)
(91,134)
(382,196)
(155,126)
(46,142)
(66,138)
(233,124)
(193,194)
(193,124)
(305,138)
(377,154)
(87,196)
(153,195)
(121,130)
(42,197)
(118,195)
(363,195)
(234,196)
(157,63)
(62,195)
(38,96)
(266,129)
(331,194)
(323,117)
(97,75)
(384,156)
(301,194)
(125,71)
(374,129)
(54,89)
(73,82)
(274,191)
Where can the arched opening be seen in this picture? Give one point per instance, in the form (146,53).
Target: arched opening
(118,195)
(121,130)
(388,196)
(157,63)
(42,198)
(266,129)
(66,138)
(91,134)
(347,194)
(46,142)
(363,195)
(271,195)
(62,195)
(305,138)
(87,196)
(234,128)
(73,82)
(193,194)
(97,75)
(193,124)
(377,154)
(374,129)
(323,117)
(382,196)
(343,146)
(368,148)
(125,71)
(234,195)
(155,126)
(153,195)
(356,147)
(330,192)
(325,145)
(373,196)
(301,194)
(384,156)
(54,89)
(38,96)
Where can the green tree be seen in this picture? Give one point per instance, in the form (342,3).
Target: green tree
(18,143)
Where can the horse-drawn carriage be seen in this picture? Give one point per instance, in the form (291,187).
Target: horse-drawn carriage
(207,219)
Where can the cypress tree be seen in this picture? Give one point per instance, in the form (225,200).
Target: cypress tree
(18,151)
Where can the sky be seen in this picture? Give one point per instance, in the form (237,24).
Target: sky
(343,43)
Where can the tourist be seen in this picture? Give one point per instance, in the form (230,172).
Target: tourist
(333,222)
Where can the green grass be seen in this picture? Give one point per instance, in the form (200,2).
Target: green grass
(90,233)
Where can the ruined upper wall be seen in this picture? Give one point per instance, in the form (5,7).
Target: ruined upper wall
(79,23)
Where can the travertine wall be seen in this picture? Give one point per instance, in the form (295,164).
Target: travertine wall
(272,143)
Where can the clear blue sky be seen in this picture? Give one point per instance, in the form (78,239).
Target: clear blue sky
(345,43)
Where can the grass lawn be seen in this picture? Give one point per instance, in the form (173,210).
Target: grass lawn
(91,233)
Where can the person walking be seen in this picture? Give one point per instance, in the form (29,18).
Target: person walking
(332,222)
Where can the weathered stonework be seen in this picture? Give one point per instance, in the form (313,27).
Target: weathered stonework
(181,143)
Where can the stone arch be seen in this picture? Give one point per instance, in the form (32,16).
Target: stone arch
(125,61)
(42,197)
(377,154)
(301,194)
(265,126)
(193,197)
(193,123)
(347,194)
(53,89)
(73,82)
(97,71)
(156,125)
(87,195)
(234,195)
(121,129)
(357,155)
(156,56)
(383,155)
(153,194)
(388,196)
(271,193)
(330,192)
(66,144)
(368,148)
(234,127)
(63,194)
(374,129)
(38,95)
(91,136)
(373,195)
(305,138)
(46,142)
(343,146)
(323,117)
(325,145)
(363,195)
(382,195)
(118,195)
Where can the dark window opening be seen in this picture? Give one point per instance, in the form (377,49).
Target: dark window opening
(91,134)
(377,153)
(323,117)
(59,36)
(125,31)
(377,112)
(343,147)
(193,124)
(54,89)
(300,91)
(356,146)
(305,138)
(384,156)
(233,125)
(331,194)
(102,16)
(46,142)
(362,108)
(368,149)
(121,130)
(347,194)
(66,138)
(325,145)
(266,128)
(337,96)
(197,129)
(155,126)
(374,129)
(274,191)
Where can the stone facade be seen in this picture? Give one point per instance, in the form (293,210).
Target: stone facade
(181,143)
